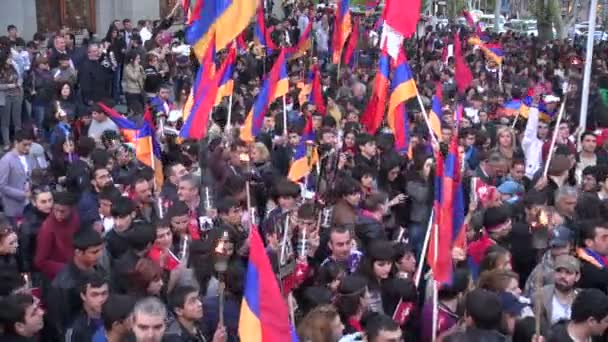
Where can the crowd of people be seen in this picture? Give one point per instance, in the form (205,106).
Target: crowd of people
(94,247)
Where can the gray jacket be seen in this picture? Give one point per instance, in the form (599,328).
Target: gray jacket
(13,178)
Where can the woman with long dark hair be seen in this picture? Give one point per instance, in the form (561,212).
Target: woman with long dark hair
(116,52)
(62,154)
(419,188)
(134,79)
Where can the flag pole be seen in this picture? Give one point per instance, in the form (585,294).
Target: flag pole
(229,119)
(284,116)
(435,287)
(426,117)
(554,139)
(425,247)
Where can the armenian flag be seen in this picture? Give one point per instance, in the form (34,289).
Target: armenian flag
(195,126)
(351,47)
(374,112)
(342,29)
(205,72)
(494,52)
(226,83)
(303,45)
(264,313)
(448,213)
(224,18)
(275,85)
(403,89)
(436,113)
(148,151)
(312,91)
(305,155)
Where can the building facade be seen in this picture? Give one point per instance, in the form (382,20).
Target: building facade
(31,16)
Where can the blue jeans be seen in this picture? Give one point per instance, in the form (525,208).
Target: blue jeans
(38,114)
(117,84)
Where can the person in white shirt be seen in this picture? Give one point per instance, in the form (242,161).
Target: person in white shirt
(535,135)
(303,21)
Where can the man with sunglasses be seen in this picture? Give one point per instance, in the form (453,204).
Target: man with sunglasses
(15,169)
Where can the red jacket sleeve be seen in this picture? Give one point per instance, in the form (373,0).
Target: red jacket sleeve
(44,248)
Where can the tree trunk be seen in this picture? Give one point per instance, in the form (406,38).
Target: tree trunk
(544,19)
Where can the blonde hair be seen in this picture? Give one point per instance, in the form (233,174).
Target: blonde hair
(316,325)
(505,129)
(262,151)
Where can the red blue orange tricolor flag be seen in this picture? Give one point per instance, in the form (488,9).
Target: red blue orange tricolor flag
(403,89)
(226,83)
(225,19)
(264,313)
(342,29)
(275,85)
(312,91)
(448,212)
(305,155)
(374,112)
(303,45)
(195,126)
(351,46)
(436,113)
(147,148)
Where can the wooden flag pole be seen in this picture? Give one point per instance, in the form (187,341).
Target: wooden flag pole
(554,138)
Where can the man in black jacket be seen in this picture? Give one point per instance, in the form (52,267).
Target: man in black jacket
(63,299)
(95,79)
(94,292)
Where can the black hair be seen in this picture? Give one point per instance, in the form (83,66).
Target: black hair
(363,138)
(589,303)
(285,188)
(85,146)
(23,134)
(93,280)
(64,198)
(100,158)
(178,208)
(225,204)
(9,282)
(395,290)
(329,272)
(350,294)
(376,323)
(177,297)
(13,310)
(86,238)
(110,193)
(485,308)
(123,207)
(586,133)
(402,249)
(116,309)
(588,228)
(141,236)
(347,186)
